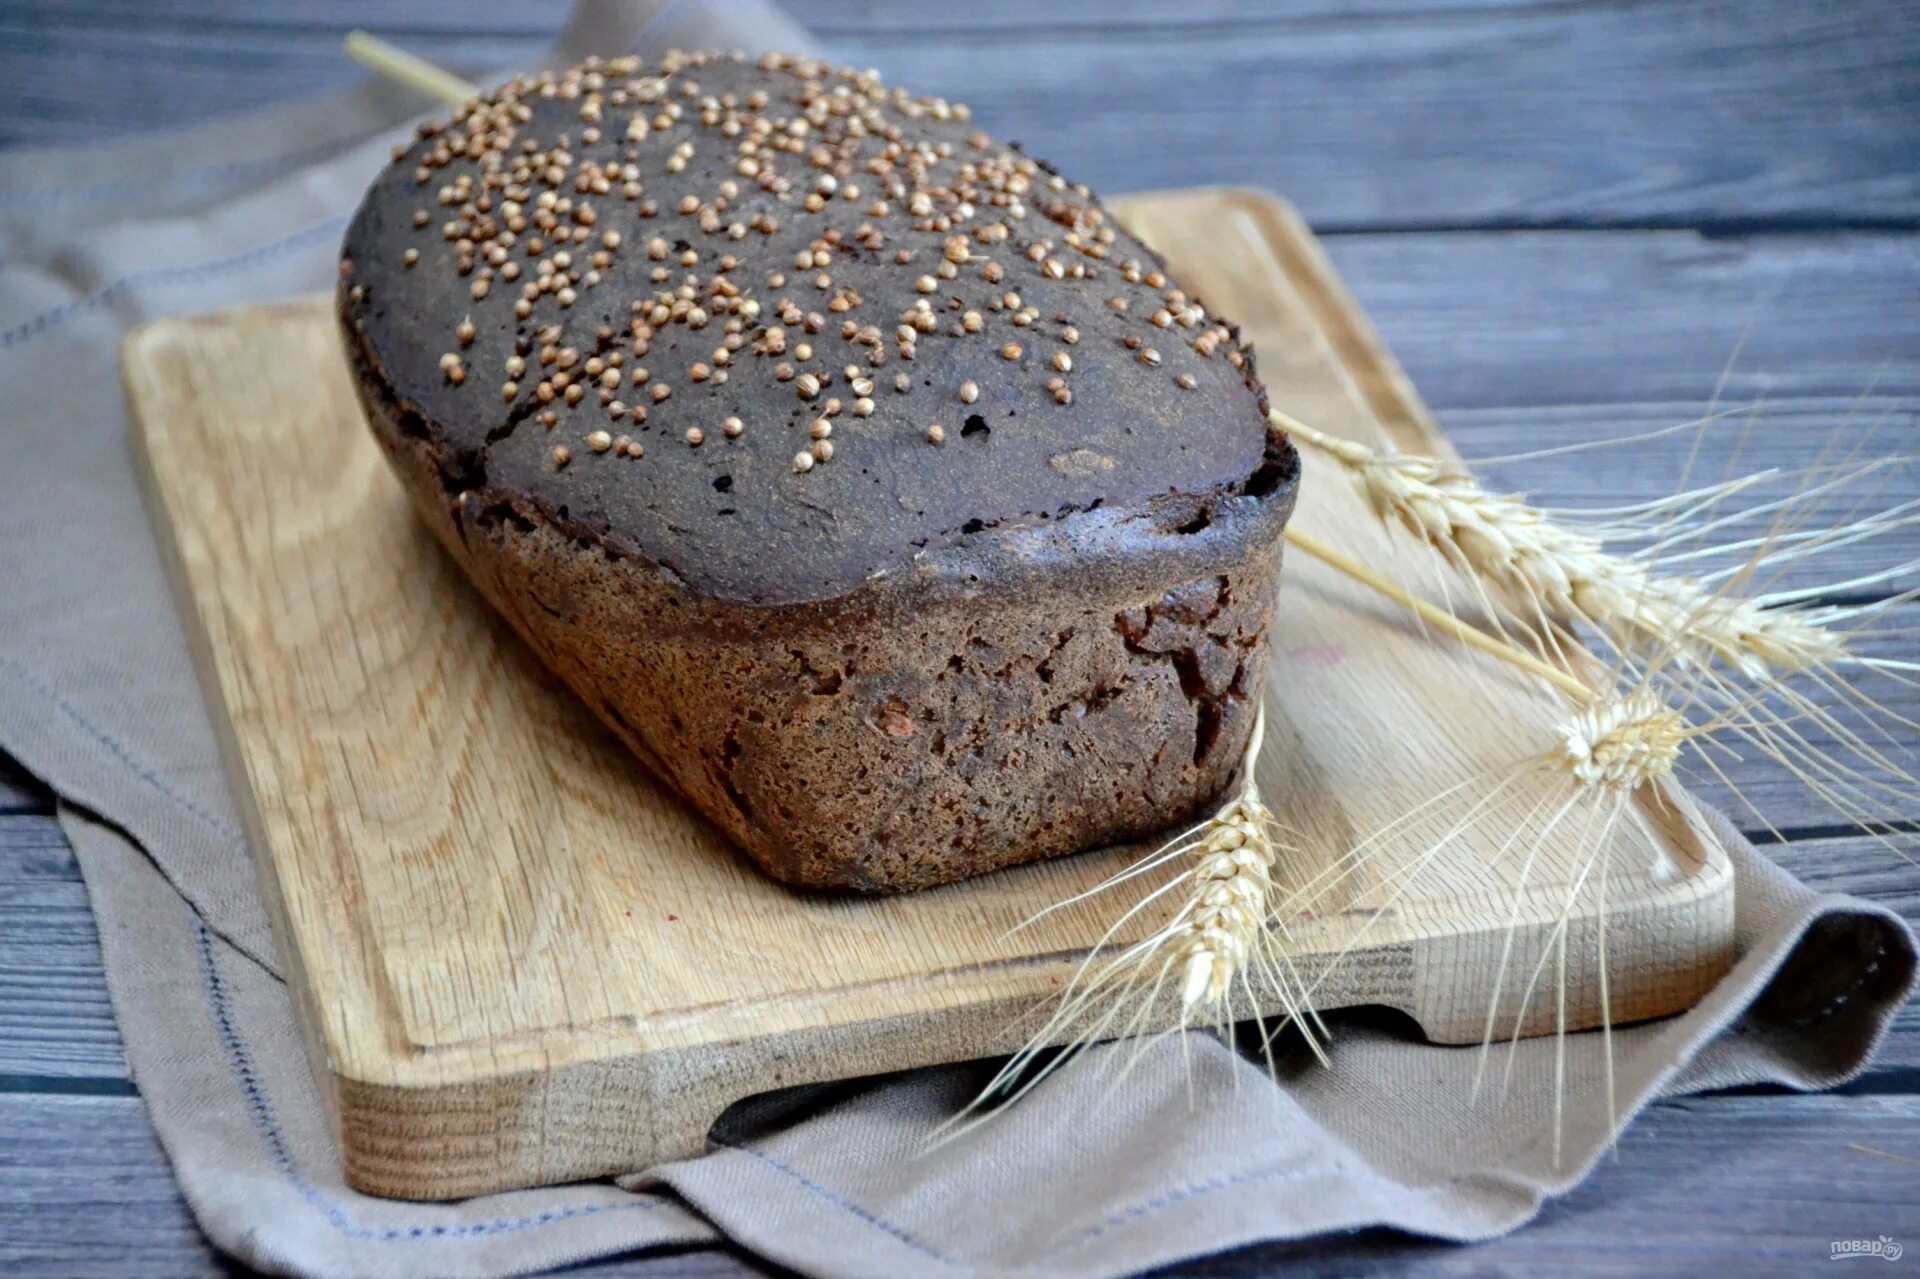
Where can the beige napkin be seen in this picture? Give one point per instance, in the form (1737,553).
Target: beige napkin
(99,699)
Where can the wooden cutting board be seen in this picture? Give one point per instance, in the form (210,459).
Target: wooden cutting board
(519,961)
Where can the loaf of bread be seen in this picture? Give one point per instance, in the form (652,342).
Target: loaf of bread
(863,474)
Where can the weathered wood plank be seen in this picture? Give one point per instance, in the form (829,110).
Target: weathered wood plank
(1522,320)
(1522,114)
(33,849)
(55,1019)
(541,18)
(1856,865)
(1769,1182)
(1763,796)
(415,19)
(136,75)
(1377,115)
(85,1189)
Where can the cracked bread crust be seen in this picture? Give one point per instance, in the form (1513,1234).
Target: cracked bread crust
(1025,695)
(909,655)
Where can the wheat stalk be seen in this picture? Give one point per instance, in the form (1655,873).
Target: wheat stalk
(1435,616)
(1557,572)
(1752,662)
(416,73)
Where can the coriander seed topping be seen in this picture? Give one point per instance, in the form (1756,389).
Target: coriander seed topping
(817,226)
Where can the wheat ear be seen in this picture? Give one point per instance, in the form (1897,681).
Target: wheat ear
(1622,743)
(1610,747)
(1558,573)
(1225,919)
(1744,659)
(1220,953)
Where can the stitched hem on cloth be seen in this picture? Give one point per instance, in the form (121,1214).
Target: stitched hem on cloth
(267,1128)
(161,277)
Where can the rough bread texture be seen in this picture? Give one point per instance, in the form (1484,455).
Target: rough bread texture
(909,656)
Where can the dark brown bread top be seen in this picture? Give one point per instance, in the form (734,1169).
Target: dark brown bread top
(779,329)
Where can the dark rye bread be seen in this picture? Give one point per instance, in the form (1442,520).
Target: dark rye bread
(868,480)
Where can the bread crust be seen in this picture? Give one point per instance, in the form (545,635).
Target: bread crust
(866,476)
(1026,693)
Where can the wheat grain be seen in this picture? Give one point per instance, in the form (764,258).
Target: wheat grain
(1607,750)
(1218,938)
(1226,915)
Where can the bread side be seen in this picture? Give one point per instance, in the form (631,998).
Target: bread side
(1032,694)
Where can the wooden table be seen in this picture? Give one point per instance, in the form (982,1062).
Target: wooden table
(1564,218)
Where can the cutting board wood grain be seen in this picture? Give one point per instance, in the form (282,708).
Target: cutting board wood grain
(518,960)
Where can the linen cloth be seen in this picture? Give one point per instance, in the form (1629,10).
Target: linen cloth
(1199,1152)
